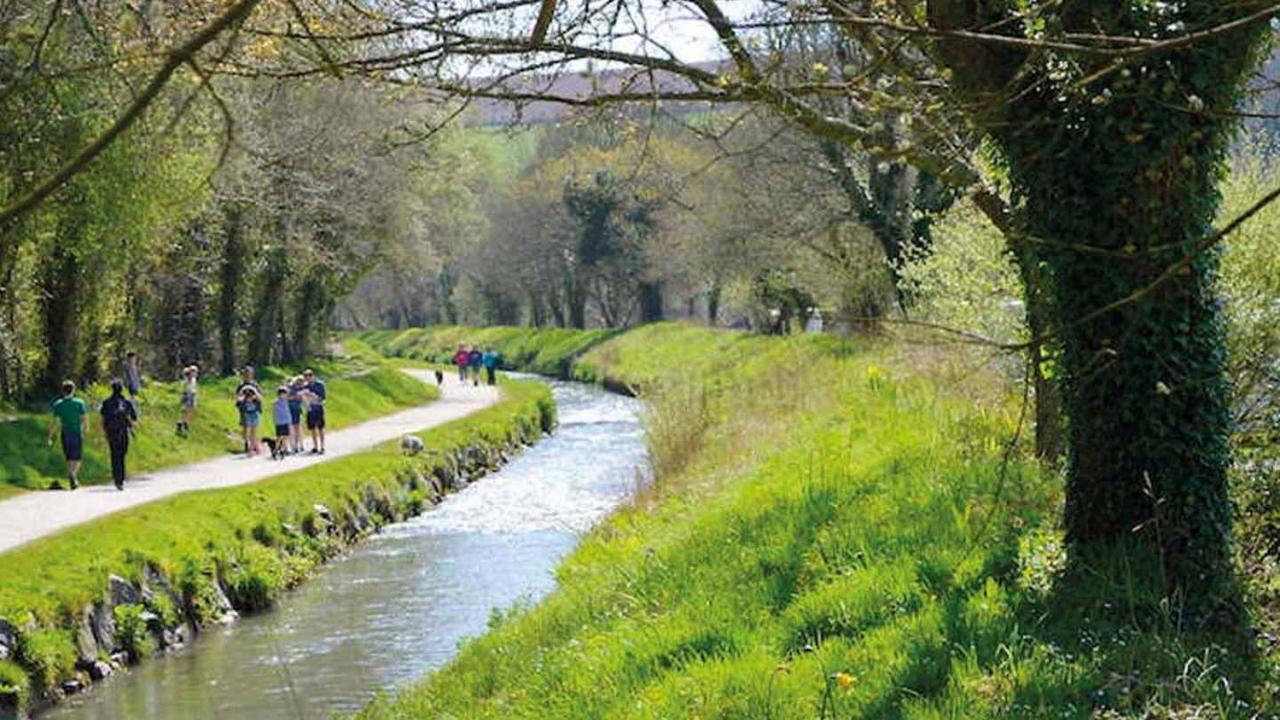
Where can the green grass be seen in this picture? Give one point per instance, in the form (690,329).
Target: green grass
(357,391)
(259,539)
(835,532)
(548,351)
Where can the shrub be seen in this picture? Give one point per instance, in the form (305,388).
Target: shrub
(133,632)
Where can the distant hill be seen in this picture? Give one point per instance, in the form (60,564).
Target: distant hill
(580,86)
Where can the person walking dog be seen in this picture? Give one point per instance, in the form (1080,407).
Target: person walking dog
(118,418)
(70,416)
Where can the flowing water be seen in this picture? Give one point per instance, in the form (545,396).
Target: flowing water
(398,605)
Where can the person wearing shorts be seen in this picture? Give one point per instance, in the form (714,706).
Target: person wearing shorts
(190,385)
(71,417)
(250,407)
(295,414)
(280,412)
(315,395)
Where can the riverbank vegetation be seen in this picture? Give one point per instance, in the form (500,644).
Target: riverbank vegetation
(357,391)
(146,578)
(840,529)
(1061,185)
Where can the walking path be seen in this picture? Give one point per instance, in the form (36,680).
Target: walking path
(34,515)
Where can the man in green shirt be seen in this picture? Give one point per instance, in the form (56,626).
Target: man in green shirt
(71,415)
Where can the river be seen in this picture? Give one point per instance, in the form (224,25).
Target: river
(398,604)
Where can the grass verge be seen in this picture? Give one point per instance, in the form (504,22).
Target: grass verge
(357,391)
(120,586)
(544,351)
(837,530)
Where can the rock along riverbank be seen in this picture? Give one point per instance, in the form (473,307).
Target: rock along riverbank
(154,602)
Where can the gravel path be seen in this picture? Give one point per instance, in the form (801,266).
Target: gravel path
(36,514)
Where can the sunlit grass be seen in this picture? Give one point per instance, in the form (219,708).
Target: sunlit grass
(357,391)
(253,537)
(836,530)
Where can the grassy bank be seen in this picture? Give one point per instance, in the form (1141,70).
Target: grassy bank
(357,391)
(193,558)
(837,530)
(547,352)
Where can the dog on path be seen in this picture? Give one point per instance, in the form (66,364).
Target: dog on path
(411,444)
(439,378)
(277,451)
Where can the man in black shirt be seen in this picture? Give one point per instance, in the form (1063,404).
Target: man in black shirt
(118,417)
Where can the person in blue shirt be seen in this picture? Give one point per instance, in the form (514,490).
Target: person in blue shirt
(315,394)
(475,361)
(296,387)
(491,361)
(250,407)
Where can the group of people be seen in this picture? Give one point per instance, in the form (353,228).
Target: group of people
(303,396)
(71,421)
(472,362)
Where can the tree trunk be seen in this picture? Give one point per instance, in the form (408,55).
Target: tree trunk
(576,303)
(713,303)
(445,285)
(651,309)
(265,324)
(311,300)
(1140,327)
(59,310)
(234,254)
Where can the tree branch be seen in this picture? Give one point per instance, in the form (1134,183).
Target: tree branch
(175,59)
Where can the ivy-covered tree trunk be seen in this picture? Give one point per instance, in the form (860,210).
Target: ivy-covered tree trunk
(1119,191)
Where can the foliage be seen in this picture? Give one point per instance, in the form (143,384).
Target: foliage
(132,631)
(195,537)
(1250,286)
(967,282)
(14,690)
(849,540)
(356,391)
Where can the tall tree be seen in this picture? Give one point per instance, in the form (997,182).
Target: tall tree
(1122,191)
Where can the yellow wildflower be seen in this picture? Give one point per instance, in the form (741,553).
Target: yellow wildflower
(844,680)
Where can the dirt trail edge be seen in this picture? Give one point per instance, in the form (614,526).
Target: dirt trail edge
(38,514)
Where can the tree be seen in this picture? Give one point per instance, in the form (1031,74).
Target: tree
(1122,191)
(1111,192)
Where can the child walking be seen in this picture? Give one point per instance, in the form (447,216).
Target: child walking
(283,417)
